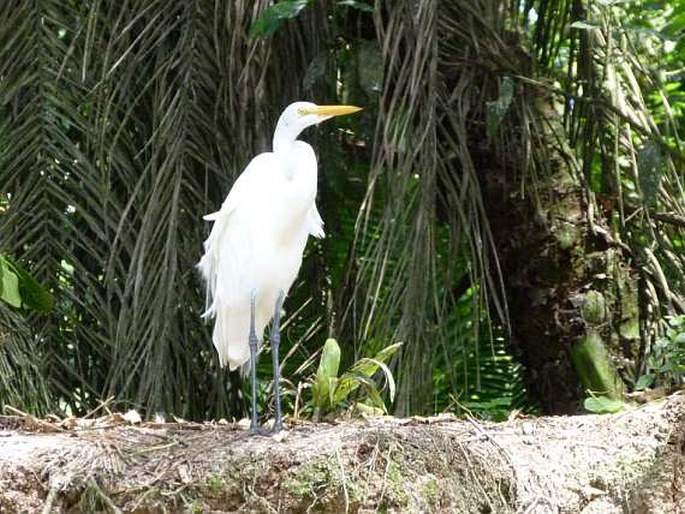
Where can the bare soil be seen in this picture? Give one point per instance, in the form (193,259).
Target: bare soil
(633,461)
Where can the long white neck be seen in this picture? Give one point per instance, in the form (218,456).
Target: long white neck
(284,136)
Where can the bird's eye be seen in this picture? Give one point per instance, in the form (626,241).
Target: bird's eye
(302,111)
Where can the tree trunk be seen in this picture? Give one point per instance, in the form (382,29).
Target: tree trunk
(628,462)
(572,297)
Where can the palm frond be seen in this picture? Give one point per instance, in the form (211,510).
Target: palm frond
(122,125)
(431,227)
(23,377)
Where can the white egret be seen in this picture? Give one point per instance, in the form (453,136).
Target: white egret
(254,250)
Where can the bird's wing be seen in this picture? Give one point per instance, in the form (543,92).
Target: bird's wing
(315,222)
(247,180)
(241,192)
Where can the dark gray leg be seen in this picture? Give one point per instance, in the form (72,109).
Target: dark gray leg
(254,343)
(275,340)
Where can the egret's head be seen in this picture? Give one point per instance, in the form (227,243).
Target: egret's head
(300,115)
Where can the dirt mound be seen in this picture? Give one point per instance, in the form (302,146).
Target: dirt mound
(627,462)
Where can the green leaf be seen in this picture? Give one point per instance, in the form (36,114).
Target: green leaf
(645,381)
(602,405)
(387,352)
(357,5)
(678,22)
(388,377)
(330,360)
(368,366)
(332,384)
(362,371)
(326,375)
(33,295)
(274,16)
(360,374)
(676,321)
(375,399)
(365,367)
(348,383)
(9,283)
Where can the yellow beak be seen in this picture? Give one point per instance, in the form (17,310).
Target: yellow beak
(335,110)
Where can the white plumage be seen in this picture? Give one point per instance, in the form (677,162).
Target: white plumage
(256,243)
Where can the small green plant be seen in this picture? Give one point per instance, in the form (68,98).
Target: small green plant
(331,392)
(215,484)
(666,361)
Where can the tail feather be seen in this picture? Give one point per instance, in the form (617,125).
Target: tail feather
(230,337)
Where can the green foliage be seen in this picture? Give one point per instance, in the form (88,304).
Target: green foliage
(18,288)
(620,75)
(121,125)
(488,383)
(326,375)
(476,374)
(666,360)
(271,19)
(9,284)
(23,377)
(331,393)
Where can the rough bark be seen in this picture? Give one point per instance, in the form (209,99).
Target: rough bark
(572,295)
(628,462)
